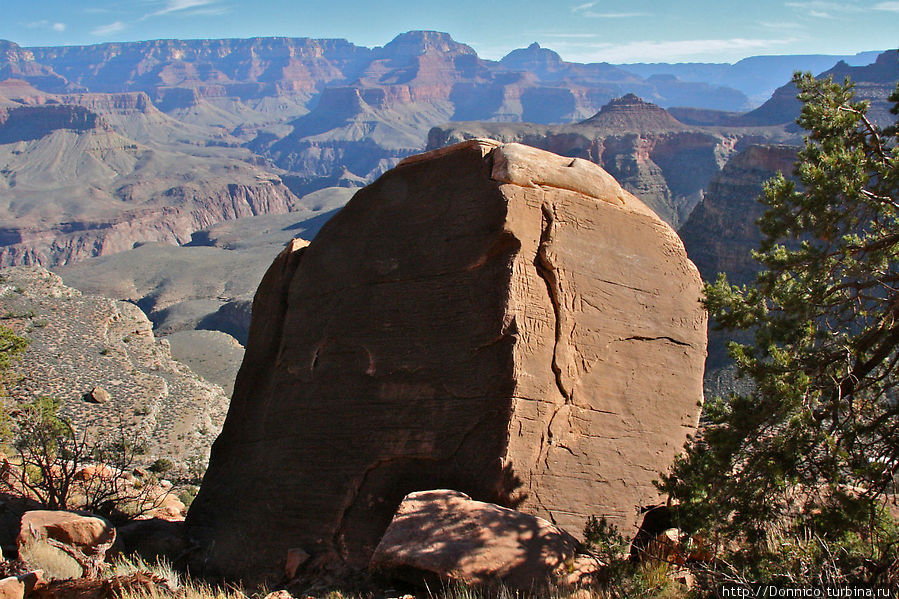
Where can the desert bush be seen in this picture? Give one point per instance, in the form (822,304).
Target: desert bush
(124,565)
(161,466)
(63,469)
(11,348)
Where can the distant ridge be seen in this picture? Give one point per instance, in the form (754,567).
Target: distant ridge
(755,76)
(873,82)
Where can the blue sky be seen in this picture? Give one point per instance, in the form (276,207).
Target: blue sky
(603,30)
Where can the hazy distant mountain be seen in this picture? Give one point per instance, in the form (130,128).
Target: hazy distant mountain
(874,82)
(669,158)
(756,76)
(319,108)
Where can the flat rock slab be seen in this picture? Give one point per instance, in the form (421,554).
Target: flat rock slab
(445,535)
(489,318)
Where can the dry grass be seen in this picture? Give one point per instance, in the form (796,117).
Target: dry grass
(187,588)
(56,564)
(183,587)
(188,591)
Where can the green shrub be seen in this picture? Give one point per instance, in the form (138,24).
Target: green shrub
(161,466)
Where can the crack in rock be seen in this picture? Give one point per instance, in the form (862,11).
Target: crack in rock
(661,338)
(547,270)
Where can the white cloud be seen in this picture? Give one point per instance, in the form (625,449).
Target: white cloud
(888,6)
(44,24)
(670,51)
(782,26)
(584,11)
(209,12)
(825,6)
(104,30)
(820,14)
(613,15)
(571,35)
(179,5)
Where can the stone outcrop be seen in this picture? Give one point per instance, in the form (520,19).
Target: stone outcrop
(178,213)
(444,536)
(489,318)
(27,123)
(89,534)
(92,174)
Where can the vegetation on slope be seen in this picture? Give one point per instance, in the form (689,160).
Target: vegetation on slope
(794,477)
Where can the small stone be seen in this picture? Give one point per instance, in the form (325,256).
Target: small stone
(91,535)
(33,580)
(447,535)
(98,395)
(279,595)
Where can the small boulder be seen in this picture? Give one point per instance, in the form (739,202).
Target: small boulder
(12,588)
(98,395)
(94,472)
(445,535)
(667,547)
(162,503)
(91,535)
(581,571)
(18,587)
(33,580)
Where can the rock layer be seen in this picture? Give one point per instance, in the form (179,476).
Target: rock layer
(489,318)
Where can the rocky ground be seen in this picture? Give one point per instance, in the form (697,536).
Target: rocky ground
(81,343)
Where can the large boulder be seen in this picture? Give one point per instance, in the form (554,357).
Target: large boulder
(441,535)
(489,318)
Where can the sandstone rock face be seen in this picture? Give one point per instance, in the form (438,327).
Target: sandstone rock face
(444,535)
(489,318)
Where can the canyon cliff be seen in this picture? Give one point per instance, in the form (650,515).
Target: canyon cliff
(665,162)
(72,186)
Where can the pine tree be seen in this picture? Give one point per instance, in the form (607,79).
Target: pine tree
(814,448)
